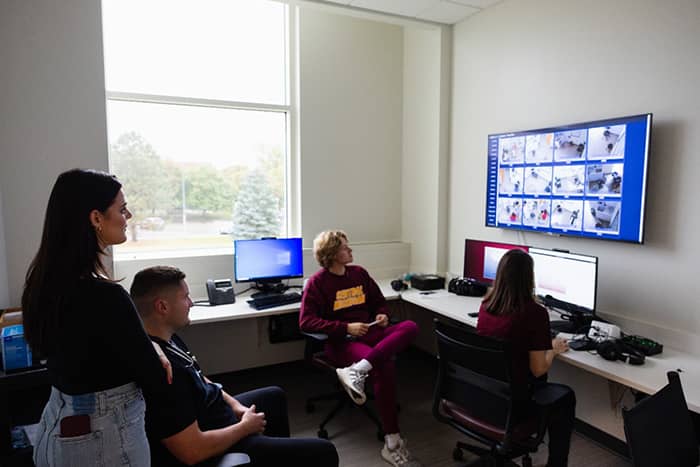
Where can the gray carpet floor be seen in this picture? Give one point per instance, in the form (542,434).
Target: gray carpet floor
(353,434)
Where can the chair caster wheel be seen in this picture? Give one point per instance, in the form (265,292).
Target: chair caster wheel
(457,454)
(322,433)
(380,436)
(310,407)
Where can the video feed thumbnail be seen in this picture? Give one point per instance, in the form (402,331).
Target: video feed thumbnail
(606,142)
(537,212)
(569,179)
(511,150)
(567,214)
(538,180)
(570,145)
(509,210)
(539,148)
(602,216)
(510,180)
(604,179)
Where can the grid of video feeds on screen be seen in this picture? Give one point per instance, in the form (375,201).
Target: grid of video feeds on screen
(585,179)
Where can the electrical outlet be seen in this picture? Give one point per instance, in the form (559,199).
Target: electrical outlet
(603,331)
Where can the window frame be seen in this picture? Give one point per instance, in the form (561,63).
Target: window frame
(292,160)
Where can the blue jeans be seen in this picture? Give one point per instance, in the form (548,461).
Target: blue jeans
(117,435)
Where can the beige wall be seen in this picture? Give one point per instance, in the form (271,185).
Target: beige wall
(536,63)
(526,64)
(351,113)
(53,113)
(425,154)
(4,293)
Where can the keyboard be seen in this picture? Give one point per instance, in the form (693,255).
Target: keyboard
(271,301)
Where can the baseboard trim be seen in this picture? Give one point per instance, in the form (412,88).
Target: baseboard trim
(601,438)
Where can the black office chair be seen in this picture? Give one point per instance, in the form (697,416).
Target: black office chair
(659,429)
(316,357)
(474,395)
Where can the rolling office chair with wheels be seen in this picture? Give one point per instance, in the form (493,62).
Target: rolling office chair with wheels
(659,429)
(474,395)
(316,357)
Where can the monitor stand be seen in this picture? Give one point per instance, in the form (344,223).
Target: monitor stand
(577,324)
(269,288)
(562,326)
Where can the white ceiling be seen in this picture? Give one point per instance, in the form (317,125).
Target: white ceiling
(439,11)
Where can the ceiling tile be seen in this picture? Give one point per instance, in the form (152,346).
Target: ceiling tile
(398,7)
(477,3)
(447,12)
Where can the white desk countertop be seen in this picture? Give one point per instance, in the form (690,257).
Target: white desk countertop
(200,314)
(647,378)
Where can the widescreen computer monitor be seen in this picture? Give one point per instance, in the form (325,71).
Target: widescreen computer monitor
(481,259)
(267,261)
(568,282)
(586,179)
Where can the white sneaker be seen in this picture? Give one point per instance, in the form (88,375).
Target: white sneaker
(399,457)
(354,383)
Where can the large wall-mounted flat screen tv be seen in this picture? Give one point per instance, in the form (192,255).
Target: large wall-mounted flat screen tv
(585,179)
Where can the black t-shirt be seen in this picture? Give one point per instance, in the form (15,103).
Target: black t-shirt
(102,343)
(196,399)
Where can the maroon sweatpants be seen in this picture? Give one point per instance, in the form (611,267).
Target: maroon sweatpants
(378,346)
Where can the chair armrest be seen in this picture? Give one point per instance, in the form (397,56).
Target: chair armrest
(319,336)
(233,459)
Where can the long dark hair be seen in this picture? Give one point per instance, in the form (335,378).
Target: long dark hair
(514,285)
(69,251)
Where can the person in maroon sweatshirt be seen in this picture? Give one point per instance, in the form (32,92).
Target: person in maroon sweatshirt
(509,312)
(343,301)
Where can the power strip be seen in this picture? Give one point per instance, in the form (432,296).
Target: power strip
(600,331)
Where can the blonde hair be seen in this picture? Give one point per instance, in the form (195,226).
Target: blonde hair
(326,246)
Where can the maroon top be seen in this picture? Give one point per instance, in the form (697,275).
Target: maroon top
(331,301)
(526,330)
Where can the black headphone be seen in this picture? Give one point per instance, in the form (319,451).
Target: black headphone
(616,350)
(398,285)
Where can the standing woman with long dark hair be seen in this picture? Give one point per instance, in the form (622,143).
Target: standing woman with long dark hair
(509,312)
(85,325)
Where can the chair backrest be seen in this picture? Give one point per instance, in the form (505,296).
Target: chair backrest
(475,375)
(659,429)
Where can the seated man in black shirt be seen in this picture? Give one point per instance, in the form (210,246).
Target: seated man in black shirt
(210,422)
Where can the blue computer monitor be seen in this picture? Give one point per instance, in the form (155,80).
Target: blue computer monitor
(267,260)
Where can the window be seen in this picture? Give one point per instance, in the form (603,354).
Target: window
(198,115)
